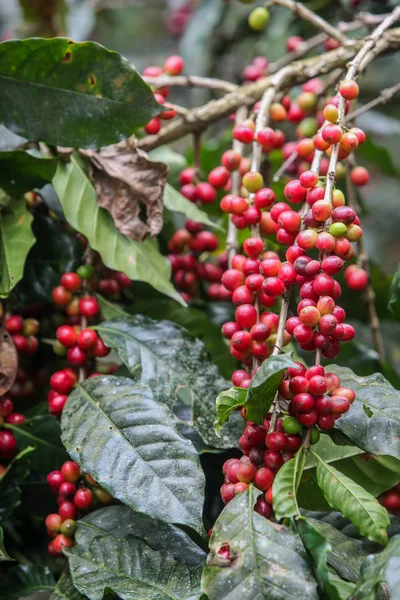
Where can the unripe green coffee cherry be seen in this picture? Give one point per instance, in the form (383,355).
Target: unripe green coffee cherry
(338,229)
(68,527)
(291,425)
(85,271)
(315,435)
(258,18)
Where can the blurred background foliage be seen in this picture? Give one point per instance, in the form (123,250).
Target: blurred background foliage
(214,39)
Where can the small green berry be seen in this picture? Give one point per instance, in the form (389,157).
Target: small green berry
(315,435)
(338,229)
(85,271)
(258,18)
(291,425)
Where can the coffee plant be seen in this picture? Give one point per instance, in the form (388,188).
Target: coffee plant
(186,409)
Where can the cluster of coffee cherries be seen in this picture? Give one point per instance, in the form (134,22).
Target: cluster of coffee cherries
(173,65)
(23,332)
(77,494)
(8,443)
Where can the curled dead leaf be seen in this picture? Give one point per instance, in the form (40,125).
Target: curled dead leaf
(127,182)
(8,361)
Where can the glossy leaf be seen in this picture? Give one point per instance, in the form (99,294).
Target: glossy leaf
(20,171)
(264,386)
(4,556)
(266,560)
(380,568)
(227,401)
(43,434)
(330,452)
(338,588)
(355,503)
(394,293)
(174,201)
(16,239)
(10,491)
(25,580)
(71,94)
(317,547)
(284,490)
(138,260)
(54,253)
(166,358)
(117,431)
(120,521)
(65,590)
(380,433)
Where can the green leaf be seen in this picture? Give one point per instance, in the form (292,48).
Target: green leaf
(380,568)
(286,482)
(355,503)
(317,547)
(138,260)
(116,430)
(71,94)
(25,580)
(266,560)
(166,358)
(4,556)
(10,491)
(43,434)
(120,521)
(16,239)
(65,590)
(377,474)
(264,386)
(174,201)
(394,293)
(330,452)
(20,172)
(55,252)
(380,433)
(227,401)
(338,588)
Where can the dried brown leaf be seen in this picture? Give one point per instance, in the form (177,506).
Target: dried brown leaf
(126,181)
(8,361)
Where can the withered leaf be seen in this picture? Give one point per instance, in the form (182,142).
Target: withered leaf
(126,181)
(8,361)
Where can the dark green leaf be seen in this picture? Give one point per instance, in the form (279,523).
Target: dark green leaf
(4,556)
(21,172)
(266,560)
(10,491)
(355,503)
(317,547)
(55,252)
(227,401)
(285,486)
(378,156)
(43,434)
(16,239)
(380,568)
(380,433)
(374,473)
(330,452)
(264,386)
(174,201)
(338,588)
(65,590)
(25,580)
(71,94)
(116,430)
(120,521)
(175,366)
(394,293)
(138,260)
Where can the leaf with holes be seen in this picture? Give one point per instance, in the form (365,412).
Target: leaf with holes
(26,580)
(380,433)
(16,239)
(227,401)
(120,521)
(380,568)
(20,171)
(166,358)
(286,482)
(138,260)
(71,94)
(355,503)
(251,557)
(264,386)
(43,434)
(117,431)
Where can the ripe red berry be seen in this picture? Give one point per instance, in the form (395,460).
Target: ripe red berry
(264,478)
(332,133)
(15,418)
(76,356)
(62,382)
(246,316)
(83,498)
(55,479)
(67,489)
(86,339)
(71,281)
(61,295)
(174,65)
(263,508)
(14,324)
(349,89)
(70,471)
(66,335)
(218,177)
(53,522)
(295,192)
(359,176)
(6,407)
(88,306)
(275,441)
(246,472)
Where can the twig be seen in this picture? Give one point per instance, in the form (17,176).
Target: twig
(232,237)
(300,51)
(304,13)
(197,153)
(200,118)
(383,97)
(363,261)
(191,81)
(290,159)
